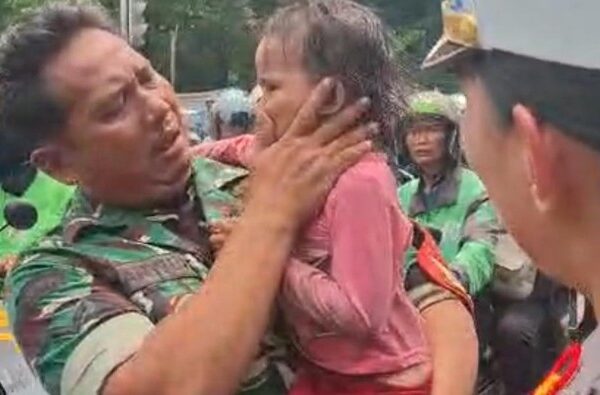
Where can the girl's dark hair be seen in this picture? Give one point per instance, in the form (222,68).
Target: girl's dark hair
(564,96)
(348,41)
(29,112)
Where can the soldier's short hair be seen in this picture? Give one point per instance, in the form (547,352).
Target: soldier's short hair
(564,96)
(347,40)
(29,112)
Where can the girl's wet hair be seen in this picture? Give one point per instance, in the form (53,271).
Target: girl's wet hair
(348,41)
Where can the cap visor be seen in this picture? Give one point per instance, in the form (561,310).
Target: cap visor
(443,54)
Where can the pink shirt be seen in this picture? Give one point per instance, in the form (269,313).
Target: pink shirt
(343,292)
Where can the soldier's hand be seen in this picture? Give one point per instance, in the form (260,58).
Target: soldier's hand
(264,132)
(292,177)
(220,231)
(6,264)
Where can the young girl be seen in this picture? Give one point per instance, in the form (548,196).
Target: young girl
(342,294)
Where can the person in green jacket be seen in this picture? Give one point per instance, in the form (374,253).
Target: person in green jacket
(448,198)
(451,201)
(46,195)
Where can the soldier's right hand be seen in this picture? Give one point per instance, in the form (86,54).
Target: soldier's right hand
(293,176)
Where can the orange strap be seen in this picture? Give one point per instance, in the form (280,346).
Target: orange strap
(563,371)
(432,264)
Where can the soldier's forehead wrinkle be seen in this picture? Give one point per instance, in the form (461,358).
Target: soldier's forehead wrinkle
(93,58)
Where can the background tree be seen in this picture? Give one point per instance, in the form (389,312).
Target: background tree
(216,39)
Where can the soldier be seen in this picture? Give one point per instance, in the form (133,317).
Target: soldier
(531,73)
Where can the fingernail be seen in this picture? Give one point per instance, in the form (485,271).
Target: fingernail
(373,128)
(328,82)
(365,101)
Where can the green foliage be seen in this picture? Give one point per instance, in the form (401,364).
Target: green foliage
(215,45)
(217,38)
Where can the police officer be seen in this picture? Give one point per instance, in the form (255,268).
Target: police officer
(531,73)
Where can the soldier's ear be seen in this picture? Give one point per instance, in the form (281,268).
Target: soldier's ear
(52,160)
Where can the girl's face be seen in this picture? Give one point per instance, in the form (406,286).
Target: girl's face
(285,83)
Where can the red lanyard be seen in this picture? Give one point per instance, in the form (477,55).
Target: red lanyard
(562,372)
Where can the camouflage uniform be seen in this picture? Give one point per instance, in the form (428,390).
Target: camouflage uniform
(82,299)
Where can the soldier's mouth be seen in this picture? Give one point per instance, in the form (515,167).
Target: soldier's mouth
(171,130)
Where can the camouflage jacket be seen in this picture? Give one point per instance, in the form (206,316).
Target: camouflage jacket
(82,299)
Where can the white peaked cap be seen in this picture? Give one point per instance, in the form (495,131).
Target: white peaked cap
(559,31)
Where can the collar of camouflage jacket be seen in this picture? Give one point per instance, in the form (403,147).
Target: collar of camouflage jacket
(212,182)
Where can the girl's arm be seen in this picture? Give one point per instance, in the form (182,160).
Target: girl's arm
(237,151)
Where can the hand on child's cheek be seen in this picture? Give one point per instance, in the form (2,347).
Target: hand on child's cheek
(264,131)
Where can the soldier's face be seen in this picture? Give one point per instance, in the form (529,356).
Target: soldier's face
(124,141)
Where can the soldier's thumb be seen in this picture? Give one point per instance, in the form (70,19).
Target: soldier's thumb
(264,130)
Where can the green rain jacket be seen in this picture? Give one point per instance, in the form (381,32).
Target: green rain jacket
(459,208)
(50,198)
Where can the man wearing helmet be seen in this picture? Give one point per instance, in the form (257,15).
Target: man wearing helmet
(531,74)
(448,197)
(449,200)
(516,320)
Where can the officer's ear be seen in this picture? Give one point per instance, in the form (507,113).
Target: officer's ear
(541,157)
(52,160)
(337,100)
